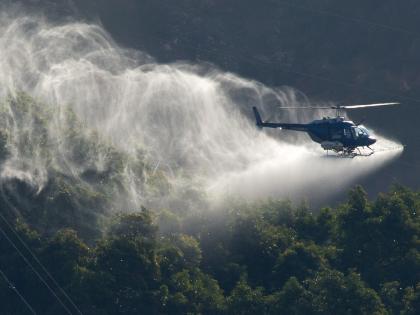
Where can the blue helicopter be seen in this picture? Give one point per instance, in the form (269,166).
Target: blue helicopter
(341,136)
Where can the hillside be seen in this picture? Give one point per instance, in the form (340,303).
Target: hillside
(357,52)
(133,179)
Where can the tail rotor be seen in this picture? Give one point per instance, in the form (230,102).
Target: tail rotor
(258,119)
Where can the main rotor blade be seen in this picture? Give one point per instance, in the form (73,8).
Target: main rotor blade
(338,106)
(368,105)
(304,107)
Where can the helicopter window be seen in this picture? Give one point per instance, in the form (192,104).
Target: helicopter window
(359,132)
(347,133)
(364,130)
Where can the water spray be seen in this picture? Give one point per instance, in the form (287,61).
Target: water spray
(187,121)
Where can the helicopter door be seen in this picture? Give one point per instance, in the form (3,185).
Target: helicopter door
(336,133)
(347,133)
(354,133)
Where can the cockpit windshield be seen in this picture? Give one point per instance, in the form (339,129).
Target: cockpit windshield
(360,132)
(364,130)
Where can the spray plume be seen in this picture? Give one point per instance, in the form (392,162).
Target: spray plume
(190,122)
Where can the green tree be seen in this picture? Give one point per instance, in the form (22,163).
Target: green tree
(380,239)
(245,300)
(334,293)
(293,299)
(126,264)
(300,261)
(193,292)
(256,244)
(392,296)
(411,300)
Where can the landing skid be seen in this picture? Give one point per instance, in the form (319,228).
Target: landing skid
(351,153)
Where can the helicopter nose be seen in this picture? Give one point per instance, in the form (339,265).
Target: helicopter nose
(371,140)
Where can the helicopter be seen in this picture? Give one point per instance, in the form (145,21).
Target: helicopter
(336,134)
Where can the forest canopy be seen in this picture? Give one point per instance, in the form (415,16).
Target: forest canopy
(270,257)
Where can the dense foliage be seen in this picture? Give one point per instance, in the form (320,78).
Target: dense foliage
(266,258)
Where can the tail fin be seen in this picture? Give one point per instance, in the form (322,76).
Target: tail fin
(257,117)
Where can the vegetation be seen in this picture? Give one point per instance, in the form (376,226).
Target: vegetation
(265,258)
(262,258)
(58,173)
(361,257)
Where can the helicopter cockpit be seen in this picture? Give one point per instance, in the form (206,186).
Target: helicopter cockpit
(359,132)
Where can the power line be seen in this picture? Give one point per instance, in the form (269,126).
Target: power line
(33,268)
(43,267)
(344,17)
(13,287)
(312,75)
(315,76)
(36,259)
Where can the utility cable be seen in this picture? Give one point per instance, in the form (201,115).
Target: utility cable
(13,287)
(33,269)
(311,75)
(35,257)
(317,77)
(348,18)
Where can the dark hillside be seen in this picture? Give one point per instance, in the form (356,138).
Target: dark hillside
(91,227)
(363,51)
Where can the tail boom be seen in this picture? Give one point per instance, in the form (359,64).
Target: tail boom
(262,124)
